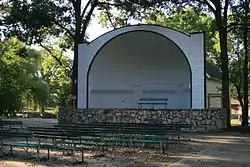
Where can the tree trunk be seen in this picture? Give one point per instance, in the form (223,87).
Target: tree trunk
(74,78)
(225,73)
(74,75)
(245,69)
(239,97)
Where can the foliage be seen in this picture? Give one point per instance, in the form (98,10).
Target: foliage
(35,21)
(32,79)
(57,76)
(19,79)
(240,29)
(189,20)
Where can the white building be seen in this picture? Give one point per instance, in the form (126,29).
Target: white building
(121,67)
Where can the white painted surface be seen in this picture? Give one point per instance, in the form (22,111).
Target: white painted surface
(123,56)
(158,67)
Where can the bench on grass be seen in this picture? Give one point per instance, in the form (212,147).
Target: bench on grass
(152,102)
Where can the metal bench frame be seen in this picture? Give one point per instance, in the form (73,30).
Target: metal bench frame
(153,102)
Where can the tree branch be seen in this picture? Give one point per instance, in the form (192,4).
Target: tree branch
(64,28)
(85,8)
(239,96)
(237,87)
(109,18)
(51,53)
(205,2)
(61,53)
(109,4)
(225,12)
(87,19)
(233,26)
(73,3)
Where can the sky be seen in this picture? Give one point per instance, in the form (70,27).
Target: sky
(94,30)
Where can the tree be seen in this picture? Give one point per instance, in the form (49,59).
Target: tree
(19,77)
(190,20)
(34,21)
(57,76)
(246,66)
(241,16)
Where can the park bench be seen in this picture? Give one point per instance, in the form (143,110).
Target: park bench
(152,102)
(16,139)
(176,129)
(67,136)
(11,125)
(58,142)
(117,135)
(34,141)
(99,133)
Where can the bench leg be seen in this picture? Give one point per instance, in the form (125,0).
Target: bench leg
(73,157)
(2,149)
(82,156)
(27,152)
(102,148)
(38,153)
(48,154)
(163,147)
(11,150)
(178,141)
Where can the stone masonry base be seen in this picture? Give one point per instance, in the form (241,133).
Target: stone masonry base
(200,120)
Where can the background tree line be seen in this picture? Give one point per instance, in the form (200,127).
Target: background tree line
(225,21)
(31,79)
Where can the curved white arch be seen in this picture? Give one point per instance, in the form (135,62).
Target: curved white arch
(191,45)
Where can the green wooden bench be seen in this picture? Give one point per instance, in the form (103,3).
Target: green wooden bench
(11,125)
(153,102)
(58,142)
(172,131)
(167,127)
(7,136)
(109,135)
(13,139)
(77,137)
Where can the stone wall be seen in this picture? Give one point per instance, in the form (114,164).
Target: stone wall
(200,120)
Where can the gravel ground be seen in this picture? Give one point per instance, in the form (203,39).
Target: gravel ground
(122,157)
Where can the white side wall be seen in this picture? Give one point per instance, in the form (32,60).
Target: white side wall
(192,46)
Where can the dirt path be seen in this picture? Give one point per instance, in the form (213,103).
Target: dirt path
(227,151)
(123,157)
